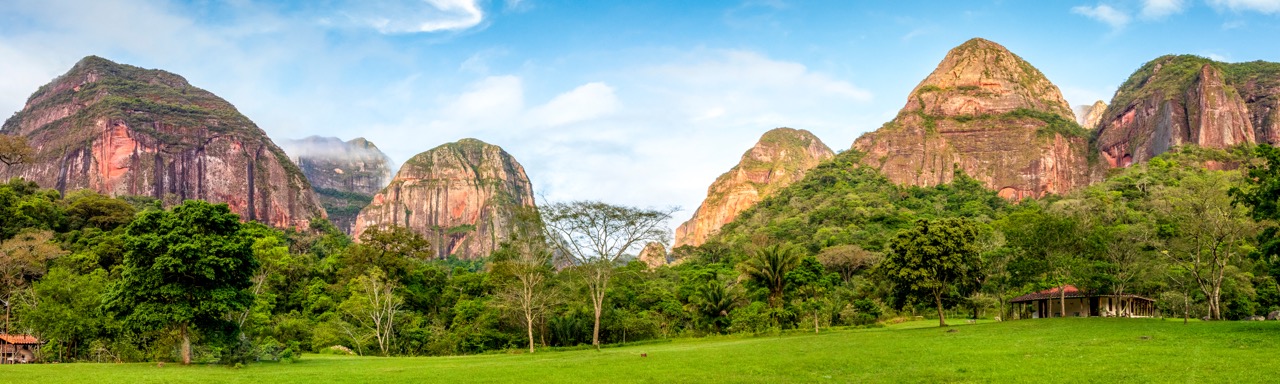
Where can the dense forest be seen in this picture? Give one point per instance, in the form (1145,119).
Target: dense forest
(127,279)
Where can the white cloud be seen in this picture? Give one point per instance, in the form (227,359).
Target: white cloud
(1117,19)
(587,102)
(412,16)
(1159,9)
(1261,6)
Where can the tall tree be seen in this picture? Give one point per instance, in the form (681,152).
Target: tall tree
(525,262)
(23,259)
(1261,194)
(374,306)
(1204,231)
(187,269)
(769,266)
(932,260)
(594,236)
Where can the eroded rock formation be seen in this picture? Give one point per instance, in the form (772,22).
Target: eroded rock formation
(654,255)
(1088,116)
(780,157)
(989,113)
(1171,101)
(461,196)
(344,175)
(123,130)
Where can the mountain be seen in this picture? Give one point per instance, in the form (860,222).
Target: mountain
(461,196)
(1258,83)
(1088,116)
(345,175)
(123,130)
(777,160)
(1176,100)
(989,113)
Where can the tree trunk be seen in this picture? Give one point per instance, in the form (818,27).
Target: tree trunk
(937,298)
(186,345)
(1062,299)
(1186,308)
(528,320)
(815,321)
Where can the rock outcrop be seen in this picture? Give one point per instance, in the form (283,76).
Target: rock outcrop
(654,255)
(780,157)
(1088,116)
(461,196)
(1258,83)
(345,175)
(989,113)
(1171,101)
(123,130)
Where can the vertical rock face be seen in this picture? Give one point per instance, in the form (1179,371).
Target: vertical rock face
(1171,101)
(991,114)
(780,158)
(461,196)
(345,175)
(123,130)
(1258,83)
(1088,116)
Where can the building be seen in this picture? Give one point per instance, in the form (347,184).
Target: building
(18,348)
(1047,303)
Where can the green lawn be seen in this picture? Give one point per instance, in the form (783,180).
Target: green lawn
(1053,350)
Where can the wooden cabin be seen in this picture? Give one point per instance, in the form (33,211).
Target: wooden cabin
(18,348)
(1047,303)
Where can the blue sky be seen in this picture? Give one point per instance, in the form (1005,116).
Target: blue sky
(631,102)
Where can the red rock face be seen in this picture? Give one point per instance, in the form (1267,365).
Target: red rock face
(461,196)
(987,112)
(168,140)
(780,158)
(1168,111)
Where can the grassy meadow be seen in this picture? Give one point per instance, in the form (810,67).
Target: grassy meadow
(1052,350)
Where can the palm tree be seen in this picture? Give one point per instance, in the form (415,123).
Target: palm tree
(714,301)
(769,267)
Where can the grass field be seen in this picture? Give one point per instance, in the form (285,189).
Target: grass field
(1047,350)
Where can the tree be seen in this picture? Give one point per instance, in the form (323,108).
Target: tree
(594,236)
(1204,231)
(847,260)
(769,266)
(23,260)
(525,262)
(189,267)
(1261,194)
(373,306)
(811,282)
(930,260)
(394,249)
(14,150)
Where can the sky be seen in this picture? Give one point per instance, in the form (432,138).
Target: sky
(640,103)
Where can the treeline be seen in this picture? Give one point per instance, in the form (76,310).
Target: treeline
(124,279)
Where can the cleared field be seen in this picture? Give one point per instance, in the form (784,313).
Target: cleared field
(1053,350)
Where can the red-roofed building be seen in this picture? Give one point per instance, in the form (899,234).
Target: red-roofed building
(1078,303)
(18,348)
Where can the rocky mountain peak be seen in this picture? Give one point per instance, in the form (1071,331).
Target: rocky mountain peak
(461,196)
(1088,116)
(345,175)
(779,158)
(124,130)
(981,77)
(989,113)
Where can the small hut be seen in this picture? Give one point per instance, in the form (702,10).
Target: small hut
(1048,303)
(18,348)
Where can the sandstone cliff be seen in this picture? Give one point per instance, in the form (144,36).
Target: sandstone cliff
(991,114)
(777,160)
(124,130)
(345,175)
(461,196)
(1171,101)
(1258,83)
(1088,116)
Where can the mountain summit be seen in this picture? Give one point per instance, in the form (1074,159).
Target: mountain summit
(123,130)
(989,113)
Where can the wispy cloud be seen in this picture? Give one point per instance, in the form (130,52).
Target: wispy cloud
(409,16)
(1116,18)
(1159,9)
(1260,6)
